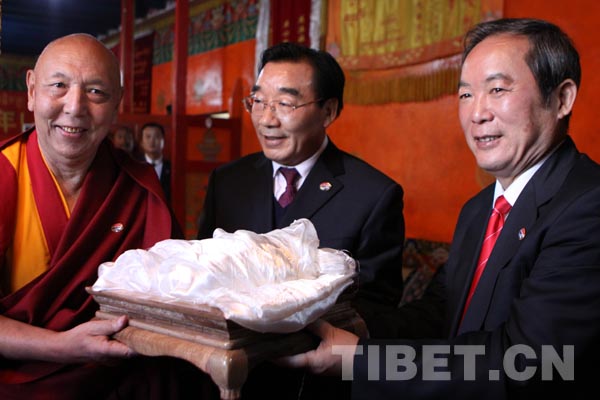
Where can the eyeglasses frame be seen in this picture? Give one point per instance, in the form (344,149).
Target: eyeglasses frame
(271,107)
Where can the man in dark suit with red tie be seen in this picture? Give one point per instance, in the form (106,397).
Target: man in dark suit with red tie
(353,206)
(518,302)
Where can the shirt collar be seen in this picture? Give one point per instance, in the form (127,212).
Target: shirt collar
(513,191)
(153,162)
(305,166)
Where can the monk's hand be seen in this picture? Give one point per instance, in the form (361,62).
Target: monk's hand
(91,341)
(334,354)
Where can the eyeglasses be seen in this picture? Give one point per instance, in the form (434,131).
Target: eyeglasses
(280,108)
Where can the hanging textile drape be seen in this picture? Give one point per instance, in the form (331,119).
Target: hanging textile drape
(13,94)
(142,74)
(214,24)
(296,21)
(402,50)
(262,31)
(290,21)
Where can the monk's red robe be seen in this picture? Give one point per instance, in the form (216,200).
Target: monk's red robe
(121,206)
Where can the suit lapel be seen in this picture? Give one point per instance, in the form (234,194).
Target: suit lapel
(319,187)
(470,245)
(260,198)
(523,216)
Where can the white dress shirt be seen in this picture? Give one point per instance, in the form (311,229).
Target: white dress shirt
(279,183)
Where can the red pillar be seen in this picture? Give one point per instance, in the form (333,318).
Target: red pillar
(179,136)
(126,53)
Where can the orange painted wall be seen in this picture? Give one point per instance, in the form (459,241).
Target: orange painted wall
(421,145)
(580,20)
(210,80)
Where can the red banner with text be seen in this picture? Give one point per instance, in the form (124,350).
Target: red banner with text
(290,21)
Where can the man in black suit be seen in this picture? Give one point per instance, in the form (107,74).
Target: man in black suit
(524,320)
(152,142)
(354,207)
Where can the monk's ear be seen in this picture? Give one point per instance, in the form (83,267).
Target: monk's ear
(30,81)
(567,92)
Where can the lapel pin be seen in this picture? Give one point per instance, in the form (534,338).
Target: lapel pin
(325,186)
(116,228)
(522,233)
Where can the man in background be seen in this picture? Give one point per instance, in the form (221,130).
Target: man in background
(152,143)
(122,138)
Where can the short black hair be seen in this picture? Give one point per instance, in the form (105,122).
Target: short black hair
(328,75)
(154,125)
(552,57)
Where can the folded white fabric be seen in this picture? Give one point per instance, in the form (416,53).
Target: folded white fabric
(279,281)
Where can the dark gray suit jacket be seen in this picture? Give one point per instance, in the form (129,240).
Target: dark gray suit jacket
(543,289)
(361,213)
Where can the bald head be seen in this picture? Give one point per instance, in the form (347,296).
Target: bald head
(84,44)
(74,92)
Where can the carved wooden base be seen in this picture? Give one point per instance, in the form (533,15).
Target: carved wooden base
(203,337)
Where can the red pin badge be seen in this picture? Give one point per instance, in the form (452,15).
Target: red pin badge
(325,186)
(116,228)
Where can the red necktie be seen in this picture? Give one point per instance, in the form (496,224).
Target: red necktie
(290,175)
(495,224)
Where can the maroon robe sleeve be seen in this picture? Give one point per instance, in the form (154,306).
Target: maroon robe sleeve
(120,207)
(8,204)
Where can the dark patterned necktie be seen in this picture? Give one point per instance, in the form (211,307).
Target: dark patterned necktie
(291,176)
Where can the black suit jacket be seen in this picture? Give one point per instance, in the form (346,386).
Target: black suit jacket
(165,174)
(361,213)
(165,179)
(543,289)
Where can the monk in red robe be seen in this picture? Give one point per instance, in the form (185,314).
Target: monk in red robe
(70,201)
